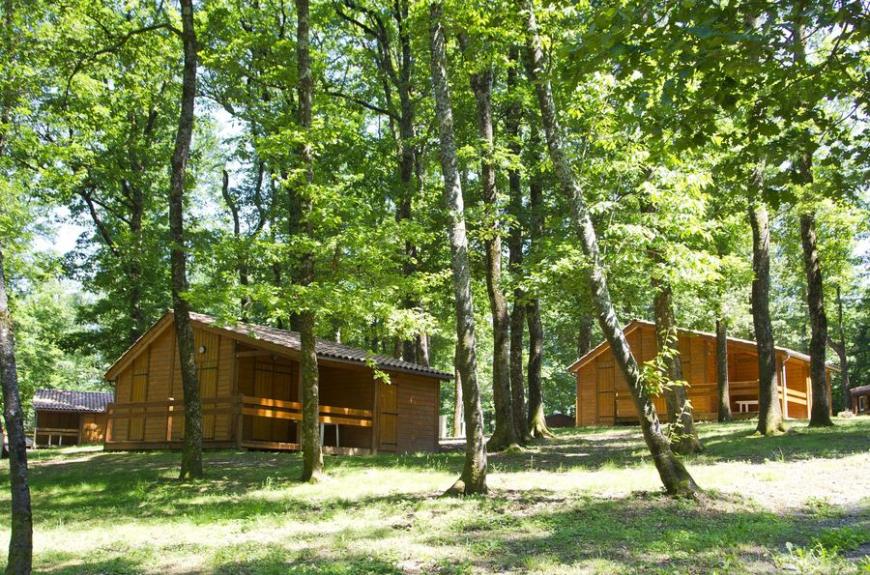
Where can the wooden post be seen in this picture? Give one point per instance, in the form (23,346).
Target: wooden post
(110,420)
(169,410)
(784,380)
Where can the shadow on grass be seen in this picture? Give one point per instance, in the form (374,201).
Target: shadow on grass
(642,533)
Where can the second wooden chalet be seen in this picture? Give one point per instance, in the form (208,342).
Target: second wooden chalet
(250,383)
(603,397)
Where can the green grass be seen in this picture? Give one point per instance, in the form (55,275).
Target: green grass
(588,501)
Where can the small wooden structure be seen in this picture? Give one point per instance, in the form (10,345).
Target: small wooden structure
(69,417)
(603,397)
(860,399)
(250,384)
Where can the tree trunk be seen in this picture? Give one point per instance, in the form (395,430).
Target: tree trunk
(537,422)
(191,455)
(20,557)
(684,438)
(473,478)
(769,412)
(515,253)
(676,479)
(312,454)
(584,335)
(504,435)
(820,414)
(458,419)
(722,391)
(839,348)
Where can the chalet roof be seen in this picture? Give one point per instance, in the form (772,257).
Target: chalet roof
(253,333)
(860,390)
(73,401)
(637,323)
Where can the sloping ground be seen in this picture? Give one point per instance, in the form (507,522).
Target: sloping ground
(586,502)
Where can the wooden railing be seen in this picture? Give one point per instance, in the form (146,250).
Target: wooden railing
(167,409)
(52,432)
(292,410)
(234,407)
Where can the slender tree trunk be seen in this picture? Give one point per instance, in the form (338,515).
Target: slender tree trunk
(722,392)
(515,252)
(537,421)
(676,479)
(769,412)
(839,348)
(191,455)
(20,557)
(134,266)
(312,454)
(504,435)
(584,335)
(473,478)
(820,414)
(684,438)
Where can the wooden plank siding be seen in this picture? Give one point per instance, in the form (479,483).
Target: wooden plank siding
(603,397)
(250,399)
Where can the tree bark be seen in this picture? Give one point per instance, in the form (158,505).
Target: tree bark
(515,252)
(312,454)
(458,419)
(820,414)
(473,478)
(676,479)
(504,435)
(20,557)
(191,455)
(584,335)
(684,438)
(537,421)
(722,392)
(769,412)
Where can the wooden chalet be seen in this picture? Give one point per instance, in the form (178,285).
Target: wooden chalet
(250,384)
(859,400)
(603,397)
(69,417)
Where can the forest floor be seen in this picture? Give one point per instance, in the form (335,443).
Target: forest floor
(588,501)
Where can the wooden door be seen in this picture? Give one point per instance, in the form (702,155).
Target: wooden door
(606,395)
(388,416)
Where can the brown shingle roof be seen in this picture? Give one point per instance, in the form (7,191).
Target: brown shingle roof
(78,401)
(325,349)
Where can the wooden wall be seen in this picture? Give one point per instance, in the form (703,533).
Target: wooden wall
(603,397)
(418,406)
(348,387)
(146,387)
(274,377)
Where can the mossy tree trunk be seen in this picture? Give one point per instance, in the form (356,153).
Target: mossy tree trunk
(676,479)
(312,453)
(473,478)
(191,455)
(769,412)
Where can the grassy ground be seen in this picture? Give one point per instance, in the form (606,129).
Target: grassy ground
(587,502)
